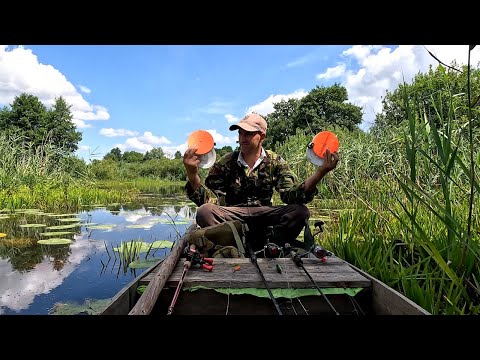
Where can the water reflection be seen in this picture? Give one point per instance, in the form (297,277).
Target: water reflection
(35,277)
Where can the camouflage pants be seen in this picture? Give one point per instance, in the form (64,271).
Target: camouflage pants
(287,220)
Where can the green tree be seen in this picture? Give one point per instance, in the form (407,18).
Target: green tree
(60,128)
(26,117)
(280,120)
(224,150)
(132,156)
(178,154)
(29,118)
(432,91)
(155,153)
(327,106)
(115,154)
(4,113)
(322,107)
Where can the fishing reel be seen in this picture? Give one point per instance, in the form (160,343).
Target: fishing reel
(321,142)
(270,249)
(321,253)
(195,258)
(318,251)
(203,140)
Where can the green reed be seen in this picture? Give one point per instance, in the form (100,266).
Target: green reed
(411,193)
(45,177)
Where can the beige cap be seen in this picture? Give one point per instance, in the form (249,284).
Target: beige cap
(251,122)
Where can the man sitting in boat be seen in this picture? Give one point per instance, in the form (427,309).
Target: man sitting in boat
(243,182)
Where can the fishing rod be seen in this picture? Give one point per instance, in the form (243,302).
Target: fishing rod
(253,258)
(186,266)
(193,258)
(299,262)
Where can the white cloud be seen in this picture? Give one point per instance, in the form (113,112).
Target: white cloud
(170,151)
(85,89)
(21,71)
(18,290)
(134,144)
(110,132)
(230,118)
(143,143)
(83,148)
(80,124)
(379,68)
(266,106)
(334,72)
(149,138)
(219,139)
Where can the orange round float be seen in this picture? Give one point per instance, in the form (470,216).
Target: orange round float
(204,143)
(321,142)
(203,140)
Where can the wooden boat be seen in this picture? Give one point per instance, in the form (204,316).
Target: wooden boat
(236,287)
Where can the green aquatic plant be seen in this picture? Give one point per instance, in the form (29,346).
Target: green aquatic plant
(143,264)
(32,225)
(56,233)
(62,215)
(54,241)
(139,226)
(101,227)
(139,246)
(74,219)
(162,244)
(89,307)
(63,227)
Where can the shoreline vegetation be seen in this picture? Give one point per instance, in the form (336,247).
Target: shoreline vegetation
(402,204)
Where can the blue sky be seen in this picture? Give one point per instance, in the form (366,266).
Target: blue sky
(139,97)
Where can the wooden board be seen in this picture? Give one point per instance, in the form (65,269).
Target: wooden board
(333,273)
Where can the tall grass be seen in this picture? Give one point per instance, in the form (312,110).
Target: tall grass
(47,178)
(413,189)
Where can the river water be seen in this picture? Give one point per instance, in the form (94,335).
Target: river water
(80,277)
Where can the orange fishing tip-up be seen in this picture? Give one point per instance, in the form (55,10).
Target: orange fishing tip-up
(321,142)
(203,140)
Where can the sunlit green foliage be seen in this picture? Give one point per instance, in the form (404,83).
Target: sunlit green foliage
(411,187)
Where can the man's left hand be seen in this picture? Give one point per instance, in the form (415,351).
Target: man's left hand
(329,161)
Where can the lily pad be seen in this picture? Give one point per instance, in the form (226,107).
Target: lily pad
(32,225)
(54,241)
(168,221)
(90,307)
(74,219)
(139,226)
(57,233)
(63,227)
(140,246)
(63,215)
(101,227)
(162,244)
(142,264)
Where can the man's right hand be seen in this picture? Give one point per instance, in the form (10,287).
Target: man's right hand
(191,161)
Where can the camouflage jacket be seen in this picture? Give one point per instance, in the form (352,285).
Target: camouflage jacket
(231,184)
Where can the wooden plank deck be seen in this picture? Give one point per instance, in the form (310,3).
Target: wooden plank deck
(333,273)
